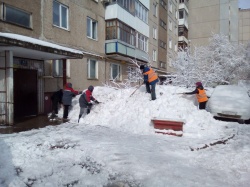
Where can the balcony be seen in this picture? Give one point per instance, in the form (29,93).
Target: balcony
(183,22)
(120,50)
(183,5)
(114,11)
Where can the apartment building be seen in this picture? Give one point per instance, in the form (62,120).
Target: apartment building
(48,43)
(213,16)
(244,26)
(183,40)
(172,32)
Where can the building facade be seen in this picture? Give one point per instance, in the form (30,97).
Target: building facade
(214,16)
(244,26)
(183,40)
(90,42)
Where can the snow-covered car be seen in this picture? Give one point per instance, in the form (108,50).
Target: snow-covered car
(230,101)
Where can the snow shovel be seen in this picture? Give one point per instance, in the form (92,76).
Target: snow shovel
(136,89)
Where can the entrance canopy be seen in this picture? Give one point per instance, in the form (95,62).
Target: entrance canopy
(27,47)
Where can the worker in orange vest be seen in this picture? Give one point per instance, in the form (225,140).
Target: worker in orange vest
(200,95)
(150,79)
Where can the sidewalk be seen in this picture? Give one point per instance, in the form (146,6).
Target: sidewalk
(28,124)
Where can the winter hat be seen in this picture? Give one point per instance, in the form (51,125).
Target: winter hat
(69,85)
(198,84)
(141,66)
(91,88)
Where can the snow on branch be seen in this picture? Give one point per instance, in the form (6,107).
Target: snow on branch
(221,61)
(134,76)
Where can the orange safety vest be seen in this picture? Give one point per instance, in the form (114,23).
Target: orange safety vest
(201,96)
(151,75)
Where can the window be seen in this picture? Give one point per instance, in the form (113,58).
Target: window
(163,44)
(162,64)
(141,12)
(121,31)
(181,14)
(128,5)
(60,15)
(163,4)
(163,24)
(155,9)
(16,16)
(142,42)
(154,33)
(154,55)
(170,25)
(92,69)
(115,72)
(170,43)
(91,28)
(176,30)
(57,68)
(170,7)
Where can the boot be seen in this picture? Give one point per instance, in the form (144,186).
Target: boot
(79,118)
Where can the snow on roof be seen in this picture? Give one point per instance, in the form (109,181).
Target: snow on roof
(38,42)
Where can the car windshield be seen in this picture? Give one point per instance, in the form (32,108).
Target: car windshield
(230,91)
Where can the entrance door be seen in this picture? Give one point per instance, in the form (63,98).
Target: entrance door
(25,93)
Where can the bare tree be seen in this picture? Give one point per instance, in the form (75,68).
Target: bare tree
(134,76)
(219,62)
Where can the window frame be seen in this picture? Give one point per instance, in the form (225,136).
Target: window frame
(154,33)
(4,15)
(91,36)
(89,69)
(170,43)
(119,75)
(170,25)
(170,7)
(154,55)
(60,25)
(57,68)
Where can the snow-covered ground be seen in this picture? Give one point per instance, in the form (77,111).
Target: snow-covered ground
(116,145)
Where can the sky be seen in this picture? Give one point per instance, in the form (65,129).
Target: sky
(244,4)
(117,145)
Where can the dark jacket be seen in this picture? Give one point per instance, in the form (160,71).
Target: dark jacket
(57,96)
(68,94)
(85,98)
(196,91)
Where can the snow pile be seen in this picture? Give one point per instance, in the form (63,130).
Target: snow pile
(133,113)
(115,145)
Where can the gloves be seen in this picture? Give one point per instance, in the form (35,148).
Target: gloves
(90,104)
(97,102)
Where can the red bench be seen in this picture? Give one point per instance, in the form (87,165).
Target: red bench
(168,126)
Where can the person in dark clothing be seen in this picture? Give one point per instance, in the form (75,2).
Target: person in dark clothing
(150,79)
(85,102)
(68,94)
(56,99)
(200,95)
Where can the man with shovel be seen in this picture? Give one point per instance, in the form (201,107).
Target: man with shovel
(85,102)
(150,79)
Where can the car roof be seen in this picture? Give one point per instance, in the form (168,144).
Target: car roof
(230,90)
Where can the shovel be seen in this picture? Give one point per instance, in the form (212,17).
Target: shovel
(136,89)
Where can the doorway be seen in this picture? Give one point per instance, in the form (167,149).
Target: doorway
(25,93)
